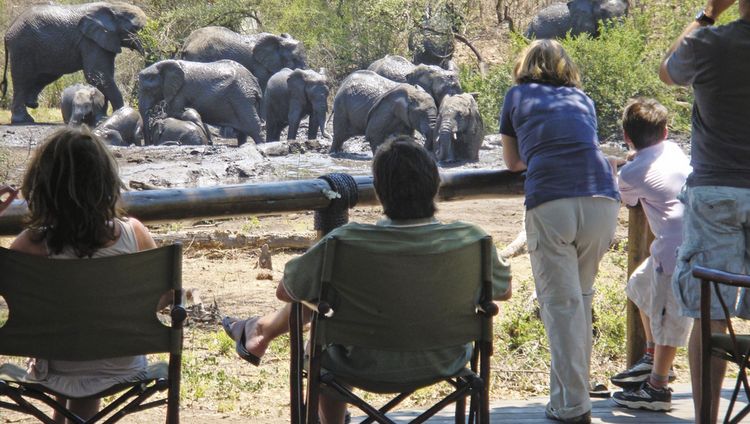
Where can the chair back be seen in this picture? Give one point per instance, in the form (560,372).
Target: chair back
(87,309)
(391,298)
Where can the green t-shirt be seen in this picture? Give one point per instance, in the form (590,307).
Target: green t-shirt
(361,366)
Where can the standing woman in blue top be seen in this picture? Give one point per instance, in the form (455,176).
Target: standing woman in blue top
(548,128)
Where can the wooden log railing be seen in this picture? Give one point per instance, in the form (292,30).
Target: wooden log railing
(303,195)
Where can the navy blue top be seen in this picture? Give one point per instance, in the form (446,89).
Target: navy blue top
(556,132)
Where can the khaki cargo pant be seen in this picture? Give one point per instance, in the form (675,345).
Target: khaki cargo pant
(567,238)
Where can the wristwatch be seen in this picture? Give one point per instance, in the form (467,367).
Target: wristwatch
(704,19)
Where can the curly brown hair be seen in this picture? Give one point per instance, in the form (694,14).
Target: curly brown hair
(72,187)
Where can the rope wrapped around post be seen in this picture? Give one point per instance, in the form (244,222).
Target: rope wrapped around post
(344,195)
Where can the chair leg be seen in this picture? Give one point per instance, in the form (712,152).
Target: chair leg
(461,411)
(296,379)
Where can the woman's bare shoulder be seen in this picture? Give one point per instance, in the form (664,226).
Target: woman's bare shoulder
(30,242)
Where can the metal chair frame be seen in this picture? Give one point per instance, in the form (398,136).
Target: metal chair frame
(306,377)
(708,278)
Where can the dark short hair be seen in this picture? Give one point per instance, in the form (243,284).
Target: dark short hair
(72,187)
(644,121)
(406,179)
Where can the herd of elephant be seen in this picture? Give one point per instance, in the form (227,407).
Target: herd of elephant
(233,81)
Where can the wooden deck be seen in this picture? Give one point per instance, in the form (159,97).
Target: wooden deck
(604,411)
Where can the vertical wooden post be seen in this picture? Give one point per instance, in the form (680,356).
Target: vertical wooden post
(639,240)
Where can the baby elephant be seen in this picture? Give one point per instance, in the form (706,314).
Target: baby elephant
(187,129)
(460,129)
(290,96)
(123,128)
(83,104)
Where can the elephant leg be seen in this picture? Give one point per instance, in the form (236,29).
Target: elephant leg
(99,71)
(41,81)
(295,116)
(241,138)
(273,130)
(340,132)
(19,114)
(312,129)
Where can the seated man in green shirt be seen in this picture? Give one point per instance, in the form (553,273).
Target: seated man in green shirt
(406,181)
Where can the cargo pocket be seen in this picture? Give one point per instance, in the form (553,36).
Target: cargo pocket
(685,287)
(715,207)
(532,241)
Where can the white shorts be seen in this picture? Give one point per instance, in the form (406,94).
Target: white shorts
(651,291)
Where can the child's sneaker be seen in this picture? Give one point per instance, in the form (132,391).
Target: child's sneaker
(633,377)
(646,397)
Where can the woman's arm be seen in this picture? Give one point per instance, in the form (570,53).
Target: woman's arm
(142,235)
(510,154)
(25,243)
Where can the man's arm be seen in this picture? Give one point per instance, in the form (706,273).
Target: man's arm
(713,9)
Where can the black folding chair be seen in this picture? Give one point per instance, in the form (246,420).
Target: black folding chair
(729,347)
(90,309)
(400,301)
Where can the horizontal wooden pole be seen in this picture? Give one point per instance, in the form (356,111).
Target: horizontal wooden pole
(288,196)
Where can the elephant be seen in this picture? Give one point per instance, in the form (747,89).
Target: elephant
(83,104)
(393,67)
(459,129)
(355,97)
(47,41)
(401,110)
(290,96)
(438,82)
(123,128)
(224,93)
(430,48)
(575,17)
(263,54)
(177,131)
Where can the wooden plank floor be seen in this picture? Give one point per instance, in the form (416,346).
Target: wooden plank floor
(604,411)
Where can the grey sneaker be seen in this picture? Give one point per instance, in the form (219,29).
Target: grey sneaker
(581,419)
(633,377)
(646,397)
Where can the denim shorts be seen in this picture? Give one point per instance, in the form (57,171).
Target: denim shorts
(715,234)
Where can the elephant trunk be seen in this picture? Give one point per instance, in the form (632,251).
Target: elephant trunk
(133,42)
(427,129)
(446,133)
(144,107)
(319,118)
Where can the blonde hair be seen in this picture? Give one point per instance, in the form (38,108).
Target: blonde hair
(545,61)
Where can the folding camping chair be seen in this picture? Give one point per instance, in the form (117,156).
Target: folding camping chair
(397,301)
(729,347)
(89,309)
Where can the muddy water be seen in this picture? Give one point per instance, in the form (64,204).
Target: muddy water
(225,163)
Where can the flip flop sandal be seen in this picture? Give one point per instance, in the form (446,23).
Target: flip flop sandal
(599,390)
(239,345)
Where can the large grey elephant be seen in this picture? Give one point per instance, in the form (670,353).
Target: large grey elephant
(401,110)
(438,82)
(82,104)
(48,41)
(290,96)
(224,93)
(393,67)
(576,16)
(263,54)
(355,97)
(123,128)
(460,129)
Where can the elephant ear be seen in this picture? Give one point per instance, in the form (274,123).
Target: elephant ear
(100,25)
(173,77)
(296,82)
(388,114)
(266,52)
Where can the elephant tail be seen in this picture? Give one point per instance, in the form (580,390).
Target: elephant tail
(4,83)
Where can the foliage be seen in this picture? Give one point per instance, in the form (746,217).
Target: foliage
(621,63)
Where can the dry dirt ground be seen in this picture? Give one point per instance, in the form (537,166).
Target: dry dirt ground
(217,387)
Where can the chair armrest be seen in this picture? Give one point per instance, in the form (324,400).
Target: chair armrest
(488,308)
(722,277)
(322,308)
